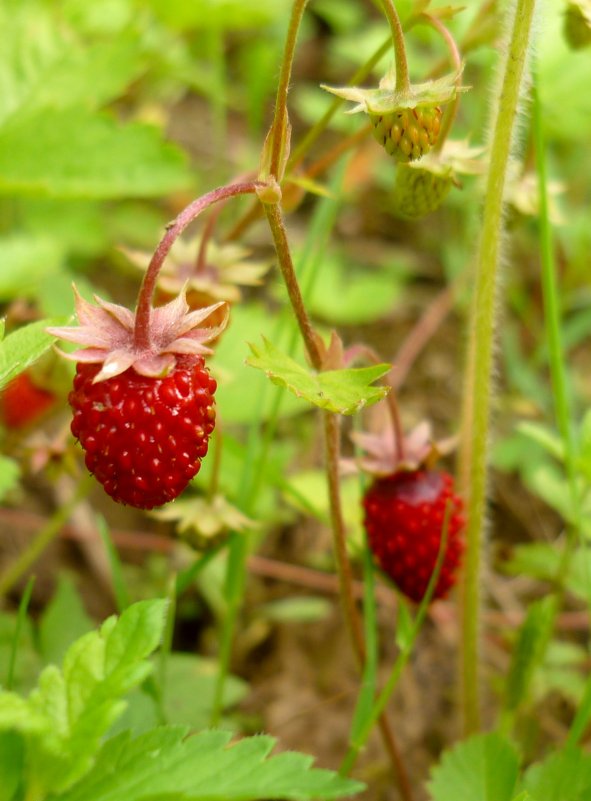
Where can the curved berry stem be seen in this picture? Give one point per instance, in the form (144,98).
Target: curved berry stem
(402,77)
(364,351)
(456,60)
(142,337)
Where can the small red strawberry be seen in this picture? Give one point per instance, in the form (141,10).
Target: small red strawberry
(408,506)
(23,402)
(404,519)
(143,404)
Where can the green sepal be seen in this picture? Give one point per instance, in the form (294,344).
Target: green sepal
(386,99)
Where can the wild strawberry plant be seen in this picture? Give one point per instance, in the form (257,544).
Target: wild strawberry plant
(167,399)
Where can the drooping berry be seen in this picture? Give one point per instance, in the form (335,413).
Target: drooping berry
(144,438)
(23,402)
(407,134)
(418,191)
(143,410)
(405,514)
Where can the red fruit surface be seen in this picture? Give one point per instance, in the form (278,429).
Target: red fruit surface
(404,516)
(144,437)
(22,402)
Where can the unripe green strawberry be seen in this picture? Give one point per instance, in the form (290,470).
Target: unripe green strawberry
(419,191)
(407,134)
(577,23)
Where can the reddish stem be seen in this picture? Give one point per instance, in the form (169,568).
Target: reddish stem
(142,338)
(369,354)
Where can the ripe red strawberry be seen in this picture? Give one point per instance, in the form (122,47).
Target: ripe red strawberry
(404,517)
(22,402)
(143,402)
(144,437)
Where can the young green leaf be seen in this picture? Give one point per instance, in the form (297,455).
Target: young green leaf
(74,153)
(64,720)
(23,347)
(563,776)
(165,763)
(483,768)
(342,391)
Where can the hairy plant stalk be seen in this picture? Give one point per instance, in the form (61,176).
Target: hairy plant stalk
(478,387)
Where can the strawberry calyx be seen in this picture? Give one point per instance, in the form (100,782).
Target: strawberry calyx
(107,332)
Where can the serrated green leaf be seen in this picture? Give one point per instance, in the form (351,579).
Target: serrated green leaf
(67,715)
(9,475)
(63,621)
(72,153)
(342,391)
(529,650)
(23,347)
(563,776)
(483,768)
(165,763)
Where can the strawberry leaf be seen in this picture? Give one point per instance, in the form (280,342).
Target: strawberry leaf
(72,153)
(342,391)
(483,768)
(23,347)
(64,720)
(166,764)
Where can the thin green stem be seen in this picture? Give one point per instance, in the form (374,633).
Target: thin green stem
(478,388)
(279,126)
(300,151)
(402,77)
(44,538)
(20,621)
(552,315)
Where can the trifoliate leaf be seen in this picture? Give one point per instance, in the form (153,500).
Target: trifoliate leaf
(483,768)
(23,347)
(342,391)
(165,763)
(74,153)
